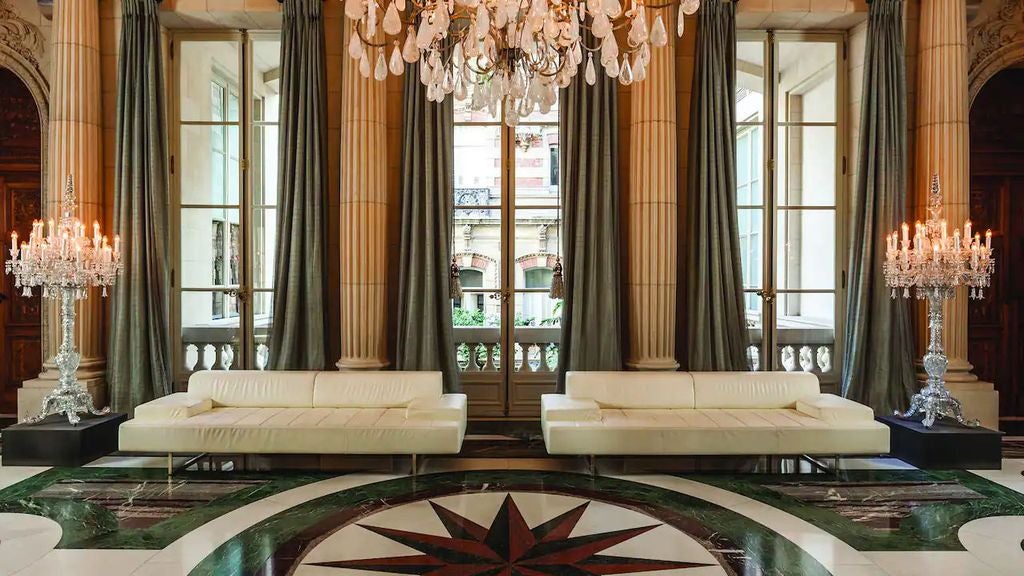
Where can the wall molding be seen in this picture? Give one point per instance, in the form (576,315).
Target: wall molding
(995,41)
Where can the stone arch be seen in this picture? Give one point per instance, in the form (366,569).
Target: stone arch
(1000,59)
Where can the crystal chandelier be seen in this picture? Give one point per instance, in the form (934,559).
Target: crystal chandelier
(935,263)
(61,259)
(511,52)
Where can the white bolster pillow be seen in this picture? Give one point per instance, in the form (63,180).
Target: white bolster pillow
(834,409)
(559,407)
(173,407)
(448,407)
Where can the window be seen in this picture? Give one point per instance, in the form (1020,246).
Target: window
(789,183)
(506,228)
(224,178)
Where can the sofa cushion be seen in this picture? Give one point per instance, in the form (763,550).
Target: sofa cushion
(253,388)
(383,389)
(752,389)
(447,407)
(173,407)
(565,409)
(632,389)
(833,409)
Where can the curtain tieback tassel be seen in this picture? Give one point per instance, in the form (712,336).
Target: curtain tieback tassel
(557,282)
(455,285)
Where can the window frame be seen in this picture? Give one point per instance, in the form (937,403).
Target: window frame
(245,353)
(768,289)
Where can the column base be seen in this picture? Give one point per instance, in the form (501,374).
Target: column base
(654,364)
(32,392)
(979,400)
(357,364)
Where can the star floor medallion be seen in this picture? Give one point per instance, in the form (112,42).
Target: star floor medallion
(509,547)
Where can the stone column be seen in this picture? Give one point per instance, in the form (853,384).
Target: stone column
(942,147)
(364,232)
(75,139)
(652,212)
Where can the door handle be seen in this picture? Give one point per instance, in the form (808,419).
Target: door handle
(766,295)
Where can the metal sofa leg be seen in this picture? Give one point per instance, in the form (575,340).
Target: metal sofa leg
(170,465)
(415,466)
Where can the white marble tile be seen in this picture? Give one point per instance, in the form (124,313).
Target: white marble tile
(997,541)
(10,475)
(136,462)
(88,563)
(874,464)
(931,563)
(25,538)
(830,551)
(185,553)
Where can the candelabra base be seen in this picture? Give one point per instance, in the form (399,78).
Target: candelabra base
(935,403)
(69,401)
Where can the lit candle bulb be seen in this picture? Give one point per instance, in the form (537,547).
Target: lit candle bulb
(14,242)
(52,228)
(967,230)
(988,240)
(96,234)
(906,232)
(956,239)
(117,245)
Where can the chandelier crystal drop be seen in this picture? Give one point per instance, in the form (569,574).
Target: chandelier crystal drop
(508,54)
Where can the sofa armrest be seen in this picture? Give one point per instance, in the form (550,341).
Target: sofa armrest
(834,409)
(559,407)
(173,407)
(447,407)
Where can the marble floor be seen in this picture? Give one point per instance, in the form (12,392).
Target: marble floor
(486,516)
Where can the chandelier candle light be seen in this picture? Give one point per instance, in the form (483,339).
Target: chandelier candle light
(936,262)
(62,259)
(512,52)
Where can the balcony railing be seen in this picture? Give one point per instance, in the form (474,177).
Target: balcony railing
(478,349)
(216,348)
(798,350)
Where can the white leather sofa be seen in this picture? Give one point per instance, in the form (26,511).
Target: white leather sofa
(705,413)
(257,412)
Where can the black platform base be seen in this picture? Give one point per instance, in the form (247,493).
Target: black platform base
(54,442)
(944,446)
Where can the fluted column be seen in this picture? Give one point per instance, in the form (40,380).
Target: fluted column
(363,219)
(652,213)
(942,146)
(76,148)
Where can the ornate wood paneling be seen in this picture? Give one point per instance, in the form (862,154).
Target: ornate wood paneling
(996,333)
(20,204)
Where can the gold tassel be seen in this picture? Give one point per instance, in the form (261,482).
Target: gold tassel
(557,283)
(455,284)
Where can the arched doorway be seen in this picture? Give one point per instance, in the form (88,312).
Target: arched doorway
(20,203)
(996,323)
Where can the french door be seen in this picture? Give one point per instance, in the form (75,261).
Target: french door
(506,242)
(224,209)
(790,183)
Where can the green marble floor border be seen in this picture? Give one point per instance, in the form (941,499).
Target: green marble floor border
(930,527)
(89,525)
(252,551)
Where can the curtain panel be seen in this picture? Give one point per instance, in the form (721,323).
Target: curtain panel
(716,333)
(591,310)
(425,338)
(297,331)
(878,365)
(138,358)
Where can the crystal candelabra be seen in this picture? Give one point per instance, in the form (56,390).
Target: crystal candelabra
(935,263)
(514,54)
(61,259)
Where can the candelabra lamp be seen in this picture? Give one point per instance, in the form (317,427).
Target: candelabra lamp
(64,263)
(935,263)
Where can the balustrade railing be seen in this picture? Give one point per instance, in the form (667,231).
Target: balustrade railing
(801,350)
(216,348)
(478,349)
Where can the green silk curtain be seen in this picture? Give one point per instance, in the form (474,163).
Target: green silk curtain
(712,281)
(297,331)
(878,366)
(138,357)
(425,338)
(588,133)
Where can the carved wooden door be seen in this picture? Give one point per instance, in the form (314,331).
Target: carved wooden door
(20,333)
